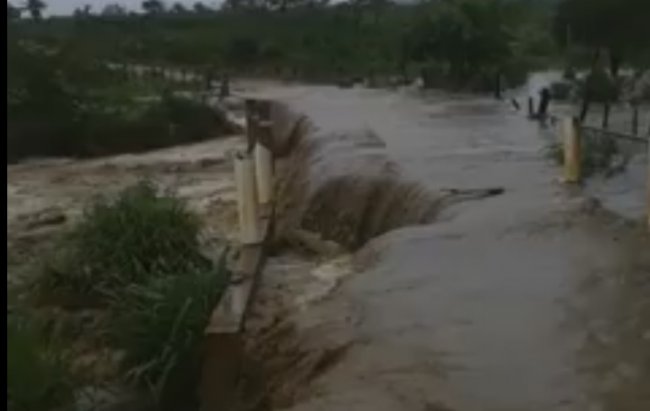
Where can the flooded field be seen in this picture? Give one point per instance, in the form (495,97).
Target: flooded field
(45,196)
(517,301)
(462,276)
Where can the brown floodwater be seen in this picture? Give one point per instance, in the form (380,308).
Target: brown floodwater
(530,300)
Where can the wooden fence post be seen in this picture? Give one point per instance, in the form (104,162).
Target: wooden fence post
(572,146)
(606,116)
(648,186)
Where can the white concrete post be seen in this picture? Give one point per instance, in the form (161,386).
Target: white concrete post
(237,297)
(572,155)
(264,173)
(249,224)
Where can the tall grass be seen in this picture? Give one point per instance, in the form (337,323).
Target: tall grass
(139,255)
(598,155)
(37,376)
(160,325)
(128,240)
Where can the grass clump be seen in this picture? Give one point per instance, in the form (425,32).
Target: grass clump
(139,255)
(37,376)
(599,156)
(138,236)
(160,325)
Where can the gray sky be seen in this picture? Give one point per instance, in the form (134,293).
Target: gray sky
(59,7)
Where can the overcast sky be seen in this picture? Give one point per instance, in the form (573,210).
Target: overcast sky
(59,7)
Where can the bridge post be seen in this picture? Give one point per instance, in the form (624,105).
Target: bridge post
(249,224)
(264,154)
(572,150)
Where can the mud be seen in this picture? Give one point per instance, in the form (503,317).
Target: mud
(520,301)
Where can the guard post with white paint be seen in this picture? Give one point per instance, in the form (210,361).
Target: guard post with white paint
(249,223)
(264,155)
(263,174)
(571,150)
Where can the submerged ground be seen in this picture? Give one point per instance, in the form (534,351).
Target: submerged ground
(536,299)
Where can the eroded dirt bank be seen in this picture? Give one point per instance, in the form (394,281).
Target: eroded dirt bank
(534,299)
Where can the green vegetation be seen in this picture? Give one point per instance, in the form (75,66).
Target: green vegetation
(598,156)
(315,41)
(604,36)
(471,42)
(37,376)
(135,262)
(160,326)
(618,27)
(129,240)
(64,102)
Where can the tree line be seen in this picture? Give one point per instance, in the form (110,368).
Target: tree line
(468,44)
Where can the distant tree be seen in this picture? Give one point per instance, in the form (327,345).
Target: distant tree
(13,13)
(35,8)
(464,35)
(284,5)
(153,7)
(178,8)
(619,27)
(114,10)
(201,8)
(83,12)
(242,50)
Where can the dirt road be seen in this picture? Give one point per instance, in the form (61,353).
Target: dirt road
(532,300)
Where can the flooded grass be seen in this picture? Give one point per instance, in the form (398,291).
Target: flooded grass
(160,327)
(599,156)
(134,278)
(128,240)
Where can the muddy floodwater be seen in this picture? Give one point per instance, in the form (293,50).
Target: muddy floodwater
(535,299)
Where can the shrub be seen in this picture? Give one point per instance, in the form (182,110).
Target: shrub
(130,239)
(160,325)
(599,87)
(61,106)
(598,156)
(37,378)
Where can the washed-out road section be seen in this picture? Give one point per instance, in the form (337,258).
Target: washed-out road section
(533,300)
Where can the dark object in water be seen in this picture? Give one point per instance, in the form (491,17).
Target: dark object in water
(544,100)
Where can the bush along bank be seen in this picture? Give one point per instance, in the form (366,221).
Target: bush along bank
(65,107)
(122,303)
